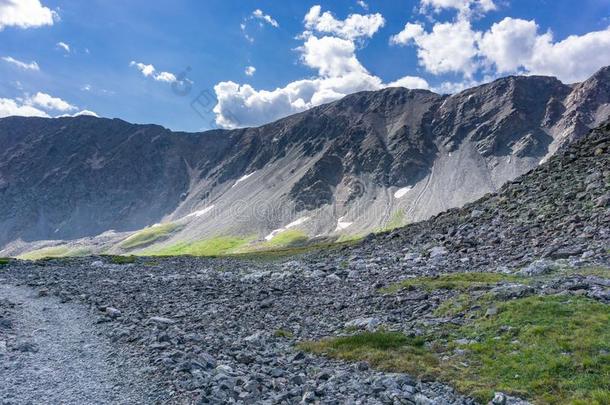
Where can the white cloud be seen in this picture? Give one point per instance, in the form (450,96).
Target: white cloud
(25,14)
(23,65)
(87,113)
(150,71)
(331,56)
(165,77)
(410,82)
(9,107)
(47,102)
(250,70)
(259,15)
(39,105)
(362,4)
(355,26)
(465,7)
(571,60)
(339,73)
(449,47)
(511,45)
(64,46)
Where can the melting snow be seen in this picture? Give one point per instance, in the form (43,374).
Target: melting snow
(290,225)
(200,212)
(341,224)
(401,192)
(243,178)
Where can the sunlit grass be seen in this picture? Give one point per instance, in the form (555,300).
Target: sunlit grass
(149,235)
(550,350)
(453,281)
(54,252)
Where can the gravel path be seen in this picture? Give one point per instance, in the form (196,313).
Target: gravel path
(52,354)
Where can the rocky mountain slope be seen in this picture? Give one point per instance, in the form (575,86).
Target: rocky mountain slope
(510,293)
(371,161)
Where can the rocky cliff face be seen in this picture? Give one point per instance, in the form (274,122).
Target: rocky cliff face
(369,161)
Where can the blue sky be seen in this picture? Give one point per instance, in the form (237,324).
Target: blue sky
(62,57)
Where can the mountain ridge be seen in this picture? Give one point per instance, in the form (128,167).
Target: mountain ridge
(341,162)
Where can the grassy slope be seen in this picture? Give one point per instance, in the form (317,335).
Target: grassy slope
(53,252)
(552,350)
(149,235)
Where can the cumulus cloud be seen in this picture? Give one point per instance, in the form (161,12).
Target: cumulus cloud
(449,47)
(39,105)
(48,102)
(333,57)
(151,71)
(355,26)
(466,8)
(25,14)
(64,46)
(87,113)
(23,65)
(10,107)
(250,70)
(511,45)
(259,15)
(410,82)
(571,60)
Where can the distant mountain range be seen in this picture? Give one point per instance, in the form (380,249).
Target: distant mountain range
(368,162)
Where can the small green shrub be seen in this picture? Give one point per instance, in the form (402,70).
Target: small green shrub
(122,259)
(283,333)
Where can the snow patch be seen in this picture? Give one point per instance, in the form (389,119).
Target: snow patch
(401,192)
(284,228)
(342,224)
(243,178)
(200,212)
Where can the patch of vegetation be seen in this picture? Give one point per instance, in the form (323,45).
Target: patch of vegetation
(53,253)
(220,245)
(453,281)
(287,238)
(391,351)
(550,350)
(283,333)
(4,261)
(271,254)
(116,259)
(350,238)
(396,221)
(603,272)
(149,235)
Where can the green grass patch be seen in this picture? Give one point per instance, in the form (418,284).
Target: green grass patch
(350,238)
(283,333)
(550,350)
(54,252)
(396,221)
(603,272)
(453,281)
(390,351)
(149,235)
(4,261)
(287,238)
(116,259)
(220,245)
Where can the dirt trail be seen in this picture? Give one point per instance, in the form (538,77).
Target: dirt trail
(52,354)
